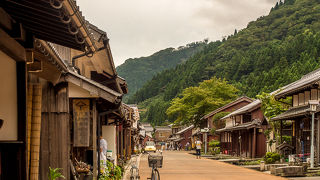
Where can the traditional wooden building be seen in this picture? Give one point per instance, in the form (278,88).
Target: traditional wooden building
(56,103)
(207,120)
(243,134)
(295,123)
(181,137)
(135,130)
(161,135)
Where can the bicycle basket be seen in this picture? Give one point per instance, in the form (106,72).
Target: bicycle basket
(155,160)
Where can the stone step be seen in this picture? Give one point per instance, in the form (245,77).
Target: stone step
(289,171)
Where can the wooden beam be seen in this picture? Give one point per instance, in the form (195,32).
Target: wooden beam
(36,66)
(18,33)
(5,20)
(29,56)
(11,47)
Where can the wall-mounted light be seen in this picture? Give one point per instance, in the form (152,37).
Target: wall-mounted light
(313,105)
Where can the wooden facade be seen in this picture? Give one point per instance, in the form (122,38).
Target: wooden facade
(44,120)
(296,121)
(230,107)
(244,132)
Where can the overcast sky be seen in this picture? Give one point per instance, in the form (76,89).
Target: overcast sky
(142,27)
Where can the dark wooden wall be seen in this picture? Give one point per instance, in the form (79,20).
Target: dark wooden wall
(261,144)
(55,130)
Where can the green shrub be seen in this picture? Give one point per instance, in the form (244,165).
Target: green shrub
(269,161)
(275,157)
(54,174)
(110,171)
(271,157)
(287,139)
(214,143)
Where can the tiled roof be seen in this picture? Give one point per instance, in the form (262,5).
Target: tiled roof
(92,86)
(248,125)
(294,112)
(244,109)
(60,22)
(240,99)
(162,128)
(185,129)
(306,81)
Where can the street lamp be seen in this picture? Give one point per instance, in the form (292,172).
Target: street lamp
(313,108)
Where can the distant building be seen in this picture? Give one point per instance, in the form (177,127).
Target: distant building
(148,129)
(162,133)
(207,120)
(243,134)
(182,135)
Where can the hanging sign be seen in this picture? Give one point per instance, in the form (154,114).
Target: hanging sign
(81,122)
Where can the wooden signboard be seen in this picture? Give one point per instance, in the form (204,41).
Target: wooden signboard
(81,121)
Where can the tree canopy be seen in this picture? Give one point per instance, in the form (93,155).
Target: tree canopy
(195,102)
(138,71)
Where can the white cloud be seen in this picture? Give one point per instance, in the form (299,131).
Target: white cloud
(141,27)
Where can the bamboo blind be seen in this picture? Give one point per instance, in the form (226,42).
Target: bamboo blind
(35,132)
(29,109)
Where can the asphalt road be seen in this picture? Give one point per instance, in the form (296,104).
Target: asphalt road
(179,165)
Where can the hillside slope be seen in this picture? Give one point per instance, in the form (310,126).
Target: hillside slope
(138,71)
(272,51)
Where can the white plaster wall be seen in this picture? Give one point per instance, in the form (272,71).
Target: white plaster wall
(229,122)
(109,134)
(8,98)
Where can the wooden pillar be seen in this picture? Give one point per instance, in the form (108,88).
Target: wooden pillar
(98,144)
(122,149)
(232,141)
(250,144)
(280,132)
(240,143)
(254,143)
(94,139)
(130,144)
(118,141)
(318,140)
(297,127)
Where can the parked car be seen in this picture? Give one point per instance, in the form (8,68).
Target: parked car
(150,147)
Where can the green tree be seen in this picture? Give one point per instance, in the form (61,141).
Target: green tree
(271,108)
(195,102)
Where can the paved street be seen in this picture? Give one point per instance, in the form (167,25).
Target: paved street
(183,166)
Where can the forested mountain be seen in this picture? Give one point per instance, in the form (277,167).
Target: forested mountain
(272,51)
(138,71)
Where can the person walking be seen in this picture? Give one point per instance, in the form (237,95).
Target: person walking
(198,148)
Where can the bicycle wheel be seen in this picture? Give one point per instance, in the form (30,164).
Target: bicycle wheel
(156,174)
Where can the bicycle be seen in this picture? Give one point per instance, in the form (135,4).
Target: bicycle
(155,162)
(134,171)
